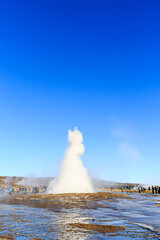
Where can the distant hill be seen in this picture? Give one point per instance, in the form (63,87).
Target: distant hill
(44,181)
(108,184)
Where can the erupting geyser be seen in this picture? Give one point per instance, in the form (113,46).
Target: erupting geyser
(73,177)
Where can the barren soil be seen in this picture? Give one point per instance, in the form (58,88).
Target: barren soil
(57,202)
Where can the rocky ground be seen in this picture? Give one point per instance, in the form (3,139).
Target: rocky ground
(59,202)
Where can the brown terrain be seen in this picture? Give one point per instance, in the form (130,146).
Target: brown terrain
(59,202)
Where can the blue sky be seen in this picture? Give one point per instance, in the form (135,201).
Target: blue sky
(90,64)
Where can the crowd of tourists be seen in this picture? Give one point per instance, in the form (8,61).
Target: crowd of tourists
(156,189)
(18,190)
(141,189)
(153,189)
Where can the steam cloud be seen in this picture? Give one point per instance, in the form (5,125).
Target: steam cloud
(73,177)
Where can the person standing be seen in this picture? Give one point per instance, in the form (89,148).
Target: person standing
(156,189)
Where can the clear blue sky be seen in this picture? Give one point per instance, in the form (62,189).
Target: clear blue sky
(90,64)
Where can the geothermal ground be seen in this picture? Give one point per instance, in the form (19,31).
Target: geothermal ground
(100,215)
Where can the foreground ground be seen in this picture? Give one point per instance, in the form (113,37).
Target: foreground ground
(77,216)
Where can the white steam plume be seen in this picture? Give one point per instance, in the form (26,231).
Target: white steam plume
(73,177)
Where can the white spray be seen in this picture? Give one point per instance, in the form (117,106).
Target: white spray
(73,177)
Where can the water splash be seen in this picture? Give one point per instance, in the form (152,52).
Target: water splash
(73,176)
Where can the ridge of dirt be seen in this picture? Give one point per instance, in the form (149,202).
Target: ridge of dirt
(98,228)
